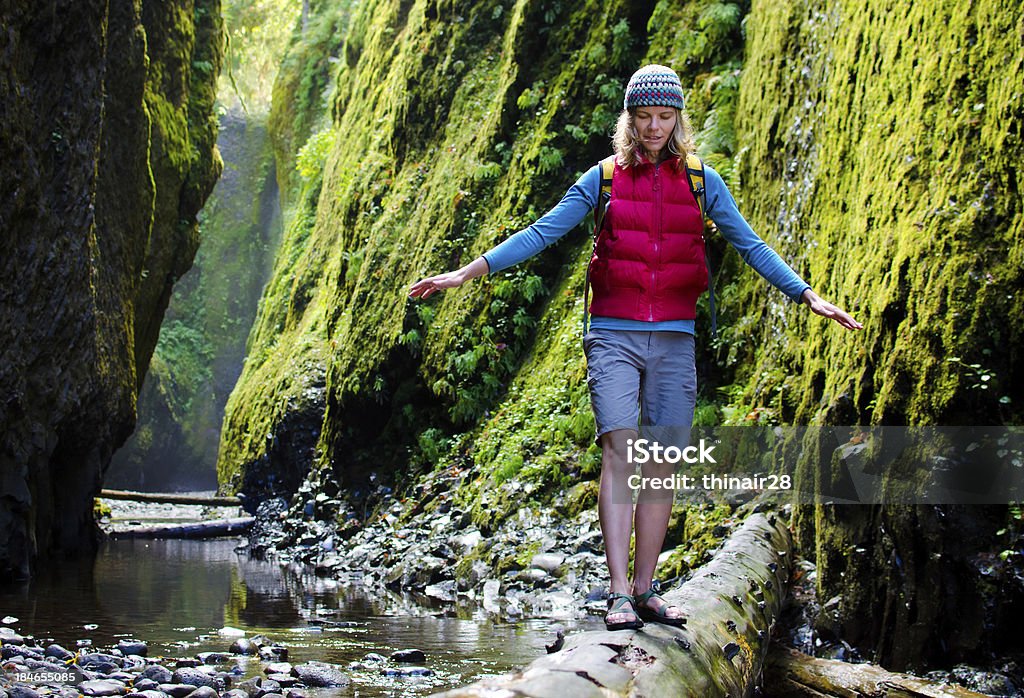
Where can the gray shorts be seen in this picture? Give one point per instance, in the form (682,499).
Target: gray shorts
(641,379)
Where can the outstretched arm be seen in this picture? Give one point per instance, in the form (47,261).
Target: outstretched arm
(826,309)
(453,279)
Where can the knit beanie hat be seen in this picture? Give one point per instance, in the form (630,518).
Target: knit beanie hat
(654,86)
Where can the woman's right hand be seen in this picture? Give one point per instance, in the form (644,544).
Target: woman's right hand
(427,287)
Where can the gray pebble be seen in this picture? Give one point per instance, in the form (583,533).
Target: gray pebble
(416,671)
(23,692)
(102,687)
(157,673)
(413,656)
(203,692)
(294,693)
(213,657)
(243,646)
(148,693)
(374,657)
(133,647)
(277,668)
(320,675)
(259,687)
(146,685)
(194,677)
(235,693)
(58,652)
(9,637)
(176,690)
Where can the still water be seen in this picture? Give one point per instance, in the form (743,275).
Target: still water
(178,596)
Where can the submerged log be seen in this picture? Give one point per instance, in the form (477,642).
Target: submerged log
(730,605)
(792,674)
(196,529)
(169,498)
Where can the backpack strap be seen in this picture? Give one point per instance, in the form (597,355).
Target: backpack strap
(604,198)
(695,176)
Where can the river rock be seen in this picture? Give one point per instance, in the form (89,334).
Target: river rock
(148,693)
(58,652)
(259,687)
(177,690)
(187,663)
(157,673)
(133,647)
(273,653)
(243,646)
(102,687)
(12,651)
(374,657)
(146,685)
(320,675)
(9,637)
(195,677)
(411,656)
(235,693)
(294,693)
(23,692)
(213,657)
(277,668)
(549,562)
(416,671)
(203,692)
(284,680)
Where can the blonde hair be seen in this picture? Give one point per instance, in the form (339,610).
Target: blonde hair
(628,147)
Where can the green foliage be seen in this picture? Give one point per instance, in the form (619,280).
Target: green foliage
(309,162)
(258,32)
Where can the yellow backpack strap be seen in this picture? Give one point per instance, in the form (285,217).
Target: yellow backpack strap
(695,173)
(607,170)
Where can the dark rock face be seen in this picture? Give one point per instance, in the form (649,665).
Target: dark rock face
(107,153)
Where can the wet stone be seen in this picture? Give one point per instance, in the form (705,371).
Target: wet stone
(416,671)
(194,677)
(277,668)
(176,690)
(213,657)
(147,693)
(284,680)
(102,687)
(13,651)
(58,652)
(23,692)
(98,660)
(320,675)
(259,687)
(235,693)
(9,637)
(187,663)
(294,693)
(412,656)
(133,647)
(203,692)
(273,653)
(146,685)
(374,657)
(243,646)
(157,673)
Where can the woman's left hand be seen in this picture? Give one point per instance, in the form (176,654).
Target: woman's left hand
(826,309)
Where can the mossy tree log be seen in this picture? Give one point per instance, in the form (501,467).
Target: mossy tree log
(730,605)
(792,674)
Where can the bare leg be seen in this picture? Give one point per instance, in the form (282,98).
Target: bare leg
(653,509)
(615,510)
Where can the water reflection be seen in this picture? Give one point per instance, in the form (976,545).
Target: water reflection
(177,595)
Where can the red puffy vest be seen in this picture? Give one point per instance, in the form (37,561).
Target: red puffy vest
(648,263)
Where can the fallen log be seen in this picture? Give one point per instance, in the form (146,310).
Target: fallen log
(730,605)
(792,674)
(169,498)
(196,529)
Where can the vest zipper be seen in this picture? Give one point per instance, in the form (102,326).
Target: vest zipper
(657,237)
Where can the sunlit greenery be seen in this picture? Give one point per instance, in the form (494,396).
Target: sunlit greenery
(258,31)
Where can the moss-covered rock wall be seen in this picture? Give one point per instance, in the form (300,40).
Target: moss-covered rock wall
(107,155)
(872,146)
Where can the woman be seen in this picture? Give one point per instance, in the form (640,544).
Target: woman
(647,272)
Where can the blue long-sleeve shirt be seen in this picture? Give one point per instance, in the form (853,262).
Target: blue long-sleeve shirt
(581,199)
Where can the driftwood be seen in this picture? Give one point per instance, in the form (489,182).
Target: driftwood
(730,605)
(792,674)
(167,498)
(196,529)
